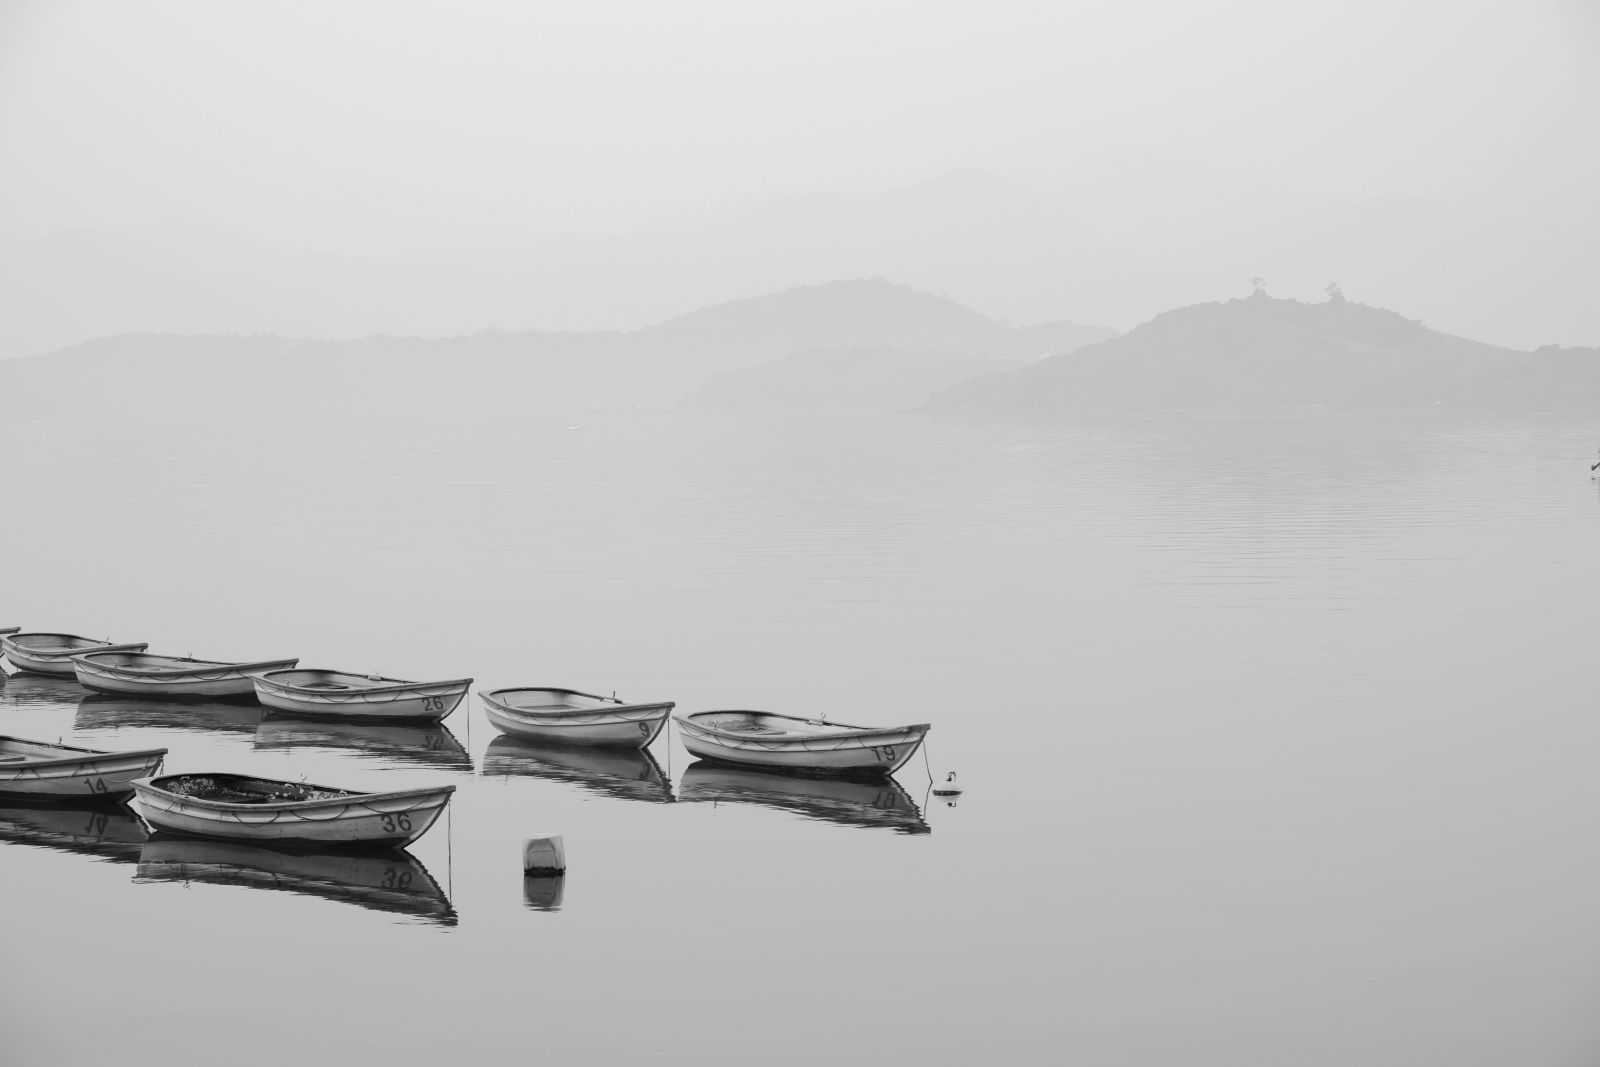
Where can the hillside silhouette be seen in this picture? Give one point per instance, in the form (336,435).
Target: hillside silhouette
(499,370)
(1261,352)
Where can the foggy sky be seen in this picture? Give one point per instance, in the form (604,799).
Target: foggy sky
(389,126)
(337,170)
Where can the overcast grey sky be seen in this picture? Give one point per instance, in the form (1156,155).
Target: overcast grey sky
(393,125)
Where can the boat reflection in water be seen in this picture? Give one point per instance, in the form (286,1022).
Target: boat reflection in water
(109,831)
(25,687)
(426,744)
(392,880)
(624,773)
(104,712)
(882,804)
(543,892)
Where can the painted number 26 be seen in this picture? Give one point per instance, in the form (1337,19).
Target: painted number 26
(433,703)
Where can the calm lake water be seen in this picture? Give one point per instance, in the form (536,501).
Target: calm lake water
(1278,735)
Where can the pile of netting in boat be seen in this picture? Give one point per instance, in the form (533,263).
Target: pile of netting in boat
(231,790)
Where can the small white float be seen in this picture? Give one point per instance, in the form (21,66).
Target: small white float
(545,854)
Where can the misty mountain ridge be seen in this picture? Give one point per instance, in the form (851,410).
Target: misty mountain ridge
(1259,352)
(1115,241)
(924,335)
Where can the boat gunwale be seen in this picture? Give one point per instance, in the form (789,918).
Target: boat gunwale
(609,705)
(202,667)
(395,685)
(86,754)
(8,645)
(347,797)
(841,730)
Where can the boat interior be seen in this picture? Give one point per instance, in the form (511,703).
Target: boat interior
(240,789)
(331,681)
(144,661)
(54,642)
(14,750)
(551,700)
(765,722)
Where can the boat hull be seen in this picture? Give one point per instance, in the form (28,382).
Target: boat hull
(417,701)
(845,752)
(614,725)
(364,820)
(54,660)
(80,776)
(225,680)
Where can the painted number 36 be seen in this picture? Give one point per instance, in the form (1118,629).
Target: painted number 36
(391,821)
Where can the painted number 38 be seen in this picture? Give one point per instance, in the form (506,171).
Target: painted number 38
(403,821)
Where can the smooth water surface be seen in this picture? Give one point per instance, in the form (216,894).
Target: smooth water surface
(1278,736)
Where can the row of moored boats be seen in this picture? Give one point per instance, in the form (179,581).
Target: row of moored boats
(243,807)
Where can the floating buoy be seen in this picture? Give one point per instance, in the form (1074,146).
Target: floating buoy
(948,787)
(544,855)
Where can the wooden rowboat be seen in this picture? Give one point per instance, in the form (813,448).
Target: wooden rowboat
(39,769)
(6,631)
(337,694)
(52,653)
(567,716)
(262,810)
(785,742)
(138,674)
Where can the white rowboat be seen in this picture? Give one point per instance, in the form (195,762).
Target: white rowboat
(785,742)
(567,716)
(52,653)
(38,769)
(138,674)
(337,694)
(241,808)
